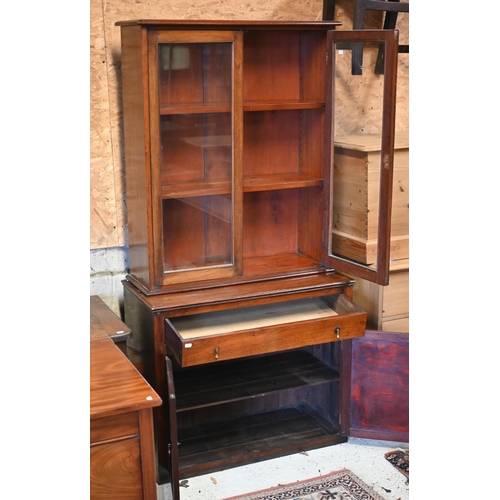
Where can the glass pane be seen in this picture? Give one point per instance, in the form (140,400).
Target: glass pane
(195,73)
(197,231)
(196,155)
(358,113)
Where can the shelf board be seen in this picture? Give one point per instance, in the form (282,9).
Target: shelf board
(249,378)
(282,105)
(200,107)
(283,264)
(195,108)
(250,184)
(195,189)
(263,276)
(279,181)
(210,141)
(252,438)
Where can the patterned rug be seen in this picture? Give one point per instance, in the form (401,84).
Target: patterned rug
(340,485)
(401,460)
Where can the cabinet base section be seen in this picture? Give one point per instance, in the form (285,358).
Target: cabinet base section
(253,438)
(250,377)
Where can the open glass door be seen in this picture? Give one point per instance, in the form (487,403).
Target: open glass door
(361,161)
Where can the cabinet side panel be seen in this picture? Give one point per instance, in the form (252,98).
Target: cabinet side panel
(148,458)
(311,202)
(140,346)
(309,222)
(312,64)
(368,296)
(137,155)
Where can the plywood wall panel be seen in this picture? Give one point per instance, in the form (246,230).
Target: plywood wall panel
(359,97)
(107,200)
(102,192)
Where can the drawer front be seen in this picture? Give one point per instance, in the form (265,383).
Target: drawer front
(249,331)
(116,426)
(115,471)
(396,296)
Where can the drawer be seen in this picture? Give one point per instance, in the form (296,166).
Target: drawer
(235,333)
(116,426)
(115,471)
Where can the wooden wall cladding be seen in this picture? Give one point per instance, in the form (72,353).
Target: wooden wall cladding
(107,182)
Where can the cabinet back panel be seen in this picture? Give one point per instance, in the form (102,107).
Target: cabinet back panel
(270,142)
(319,397)
(283,142)
(270,222)
(271,69)
(196,231)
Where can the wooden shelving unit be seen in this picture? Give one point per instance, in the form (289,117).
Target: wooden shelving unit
(266,433)
(228,148)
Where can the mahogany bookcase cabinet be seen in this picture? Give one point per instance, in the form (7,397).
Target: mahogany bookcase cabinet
(236,302)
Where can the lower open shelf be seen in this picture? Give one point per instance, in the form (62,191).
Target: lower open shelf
(248,378)
(261,436)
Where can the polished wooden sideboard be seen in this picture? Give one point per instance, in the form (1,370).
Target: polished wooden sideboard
(122,455)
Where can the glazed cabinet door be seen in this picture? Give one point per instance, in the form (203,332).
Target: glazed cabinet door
(357,237)
(195,109)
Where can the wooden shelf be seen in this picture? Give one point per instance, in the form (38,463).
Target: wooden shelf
(249,378)
(282,105)
(284,264)
(200,108)
(252,438)
(194,189)
(281,181)
(250,184)
(195,108)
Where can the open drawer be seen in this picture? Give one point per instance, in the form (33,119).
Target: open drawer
(247,331)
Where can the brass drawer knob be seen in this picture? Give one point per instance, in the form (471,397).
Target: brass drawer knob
(337,332)
(216,353)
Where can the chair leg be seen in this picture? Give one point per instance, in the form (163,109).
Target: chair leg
(357,48)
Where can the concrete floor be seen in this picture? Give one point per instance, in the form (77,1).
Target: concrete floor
(363,457)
